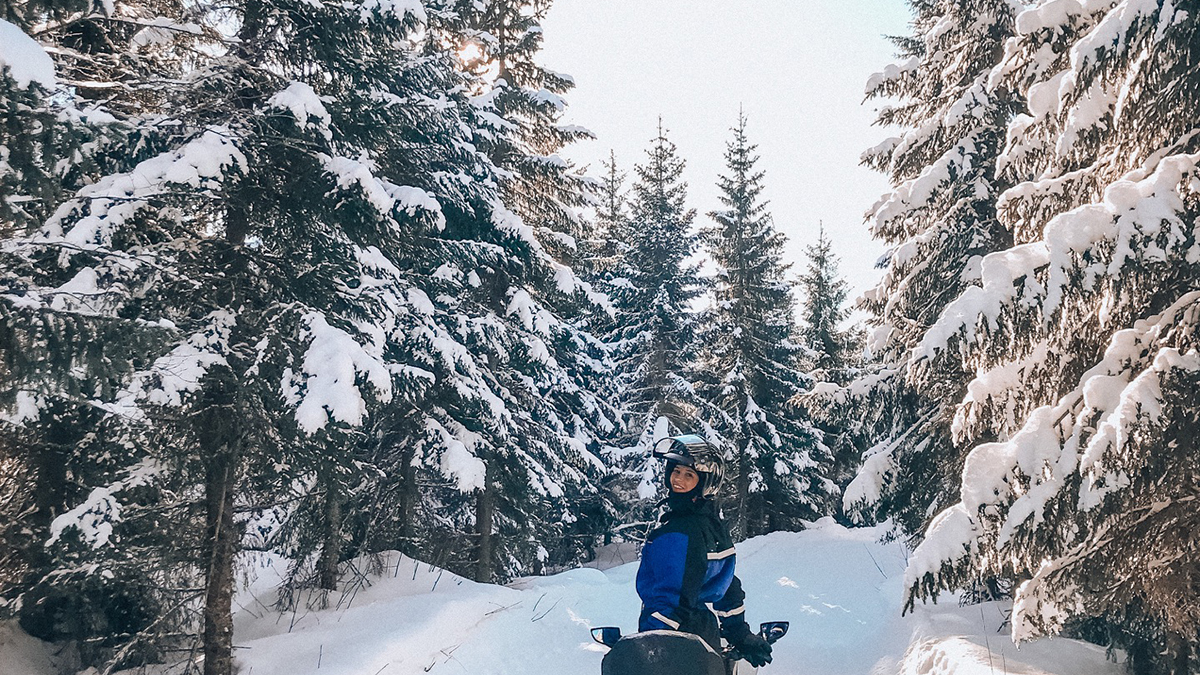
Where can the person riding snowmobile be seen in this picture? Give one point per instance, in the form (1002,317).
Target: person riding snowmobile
(688,560)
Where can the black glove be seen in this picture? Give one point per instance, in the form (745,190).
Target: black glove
(755,649)
(750,646)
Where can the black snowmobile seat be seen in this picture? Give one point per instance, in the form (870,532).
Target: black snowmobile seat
(662,652)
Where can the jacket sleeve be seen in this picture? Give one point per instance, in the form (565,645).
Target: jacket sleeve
(731,609)
(669,576)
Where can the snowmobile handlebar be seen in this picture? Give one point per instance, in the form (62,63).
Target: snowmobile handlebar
(671,652)
(770,631)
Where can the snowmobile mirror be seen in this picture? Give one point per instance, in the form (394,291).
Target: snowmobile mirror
(773,630)
(606,635)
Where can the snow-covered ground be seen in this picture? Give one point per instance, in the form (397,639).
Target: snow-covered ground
(839,588)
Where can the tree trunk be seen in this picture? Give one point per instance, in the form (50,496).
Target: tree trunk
(485,509)
(1180,652)
(51,490)
(331,548)
(221,540)
(408,503)
(743,493)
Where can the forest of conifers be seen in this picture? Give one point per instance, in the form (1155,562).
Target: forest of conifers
(311,277)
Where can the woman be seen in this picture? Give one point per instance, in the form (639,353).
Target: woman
(688,560)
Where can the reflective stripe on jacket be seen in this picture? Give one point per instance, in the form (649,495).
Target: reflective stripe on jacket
(687,563)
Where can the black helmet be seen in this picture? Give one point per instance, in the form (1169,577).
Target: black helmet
(691,450)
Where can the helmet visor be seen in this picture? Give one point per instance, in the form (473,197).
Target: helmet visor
(679,448)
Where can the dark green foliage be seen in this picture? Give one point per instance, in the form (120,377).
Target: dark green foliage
(1110,153)
(295,200)
(937,223)
(657,280)
(749,363)
(503,38)
(1053,397)
(606,242)
(833,357)
(832,348)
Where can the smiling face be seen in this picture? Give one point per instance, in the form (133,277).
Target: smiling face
(683,479)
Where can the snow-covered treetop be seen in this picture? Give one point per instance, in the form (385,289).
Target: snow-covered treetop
(23,59)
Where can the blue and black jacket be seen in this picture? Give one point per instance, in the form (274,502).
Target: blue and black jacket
(687,564)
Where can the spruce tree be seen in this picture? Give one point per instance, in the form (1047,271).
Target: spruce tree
(502,39)
(750,365)
(244,239)
(1083,336)
(831,347)
(832,356)
(35,147)
(655,342)
(601,250)
(938,221)
(312,246)
(60,346)
(519,104)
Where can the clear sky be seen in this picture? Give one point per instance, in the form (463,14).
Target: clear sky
(797,67)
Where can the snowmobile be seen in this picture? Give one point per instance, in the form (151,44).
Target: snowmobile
(669,652)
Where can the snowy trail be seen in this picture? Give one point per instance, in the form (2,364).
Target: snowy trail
(839,588)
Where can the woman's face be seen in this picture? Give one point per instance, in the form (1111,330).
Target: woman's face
(684,479)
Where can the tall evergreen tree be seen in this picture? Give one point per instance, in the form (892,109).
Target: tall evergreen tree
(938,222)
(656,335)
(62,350)
(823,311)
(311,246)
(244,239)
(29,143)
(520,104)
(1084,340)
(750,365)
(502,39)
(832,357)
(606,242)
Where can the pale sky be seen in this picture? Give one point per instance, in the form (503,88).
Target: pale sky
(797,67)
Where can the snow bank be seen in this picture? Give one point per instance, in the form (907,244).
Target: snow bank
(840,589)
(24,655)
(968,641)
